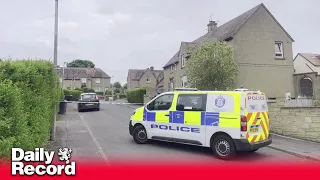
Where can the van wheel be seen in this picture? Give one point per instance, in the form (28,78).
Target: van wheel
(140,135)
(223,147)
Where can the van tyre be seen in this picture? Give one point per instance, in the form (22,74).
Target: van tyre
(140,135)
(223,147)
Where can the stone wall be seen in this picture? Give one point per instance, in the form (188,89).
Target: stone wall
(302,123)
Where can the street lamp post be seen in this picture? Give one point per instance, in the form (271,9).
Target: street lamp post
(55,60)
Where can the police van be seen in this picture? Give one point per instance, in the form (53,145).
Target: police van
(225,121)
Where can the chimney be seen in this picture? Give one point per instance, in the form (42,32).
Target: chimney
(151,68)
(212,26)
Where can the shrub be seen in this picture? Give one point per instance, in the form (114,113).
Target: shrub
(116,90)
(99,93)
(29,93)
(136,96)
(87,90)
(121,96)
(109,92)
(74,93)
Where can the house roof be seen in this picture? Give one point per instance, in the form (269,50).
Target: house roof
(136,74)
(312,58)
(78,73)
(226,31)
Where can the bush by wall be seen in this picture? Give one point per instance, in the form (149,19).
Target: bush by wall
(74,93)
(28,95)
(87,90)
(136,96)
(121,96)
(109,92)
(99,93)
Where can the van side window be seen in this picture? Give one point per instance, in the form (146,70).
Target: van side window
(162,103)
(191,102)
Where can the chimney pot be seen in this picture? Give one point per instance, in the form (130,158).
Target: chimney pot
(212,26)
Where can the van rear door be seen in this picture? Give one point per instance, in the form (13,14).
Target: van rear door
(256,109)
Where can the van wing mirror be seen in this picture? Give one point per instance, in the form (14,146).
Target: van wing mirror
(180,107)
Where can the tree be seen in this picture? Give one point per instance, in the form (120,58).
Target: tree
(81,63)
(212,67)
(125,86)
(117,85)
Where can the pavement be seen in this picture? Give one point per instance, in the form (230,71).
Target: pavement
(103,136)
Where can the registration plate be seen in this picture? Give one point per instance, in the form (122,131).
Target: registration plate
(90,104)
(254,130)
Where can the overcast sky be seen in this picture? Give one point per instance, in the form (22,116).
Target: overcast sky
(121,34)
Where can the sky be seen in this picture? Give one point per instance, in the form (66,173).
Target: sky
(117,35)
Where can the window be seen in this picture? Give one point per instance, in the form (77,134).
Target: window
(88,97)
(163,103)
(171,68)
(148,80)
(98,80)
(83,80)
(99,89)
(191,102)
(183,60)
(175,66)
(184,81)
(171,85)
(279,50)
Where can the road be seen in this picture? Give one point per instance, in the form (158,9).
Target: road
(104,135)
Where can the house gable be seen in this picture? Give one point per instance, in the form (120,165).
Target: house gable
(225,32)
(257,12)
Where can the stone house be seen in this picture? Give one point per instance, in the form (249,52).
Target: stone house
(306,76)
(262,50)
(145,78)
(94,78)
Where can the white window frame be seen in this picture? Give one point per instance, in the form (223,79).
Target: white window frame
(98,81)
(183,61)
(184,79)
(278,55)
(83,80)
(148,80)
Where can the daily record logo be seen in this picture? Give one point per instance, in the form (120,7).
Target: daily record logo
(19,156)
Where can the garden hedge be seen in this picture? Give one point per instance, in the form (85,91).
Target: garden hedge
(136,96)
(74,93)
(29,92)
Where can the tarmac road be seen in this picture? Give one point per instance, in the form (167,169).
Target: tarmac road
(104,135)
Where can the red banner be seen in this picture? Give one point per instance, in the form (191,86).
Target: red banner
(173,170)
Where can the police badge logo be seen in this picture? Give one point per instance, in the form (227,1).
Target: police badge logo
(220,101)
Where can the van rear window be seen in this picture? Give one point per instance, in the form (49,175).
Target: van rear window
(256,103)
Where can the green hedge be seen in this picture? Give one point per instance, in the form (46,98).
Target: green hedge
(28,95)
(99,93)
(136,96)
(121,96)
(109,92)
(74,93)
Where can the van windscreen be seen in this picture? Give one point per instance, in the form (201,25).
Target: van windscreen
(256,103)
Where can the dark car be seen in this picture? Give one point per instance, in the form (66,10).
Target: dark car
(88,101)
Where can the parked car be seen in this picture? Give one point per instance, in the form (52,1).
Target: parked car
(88,101)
